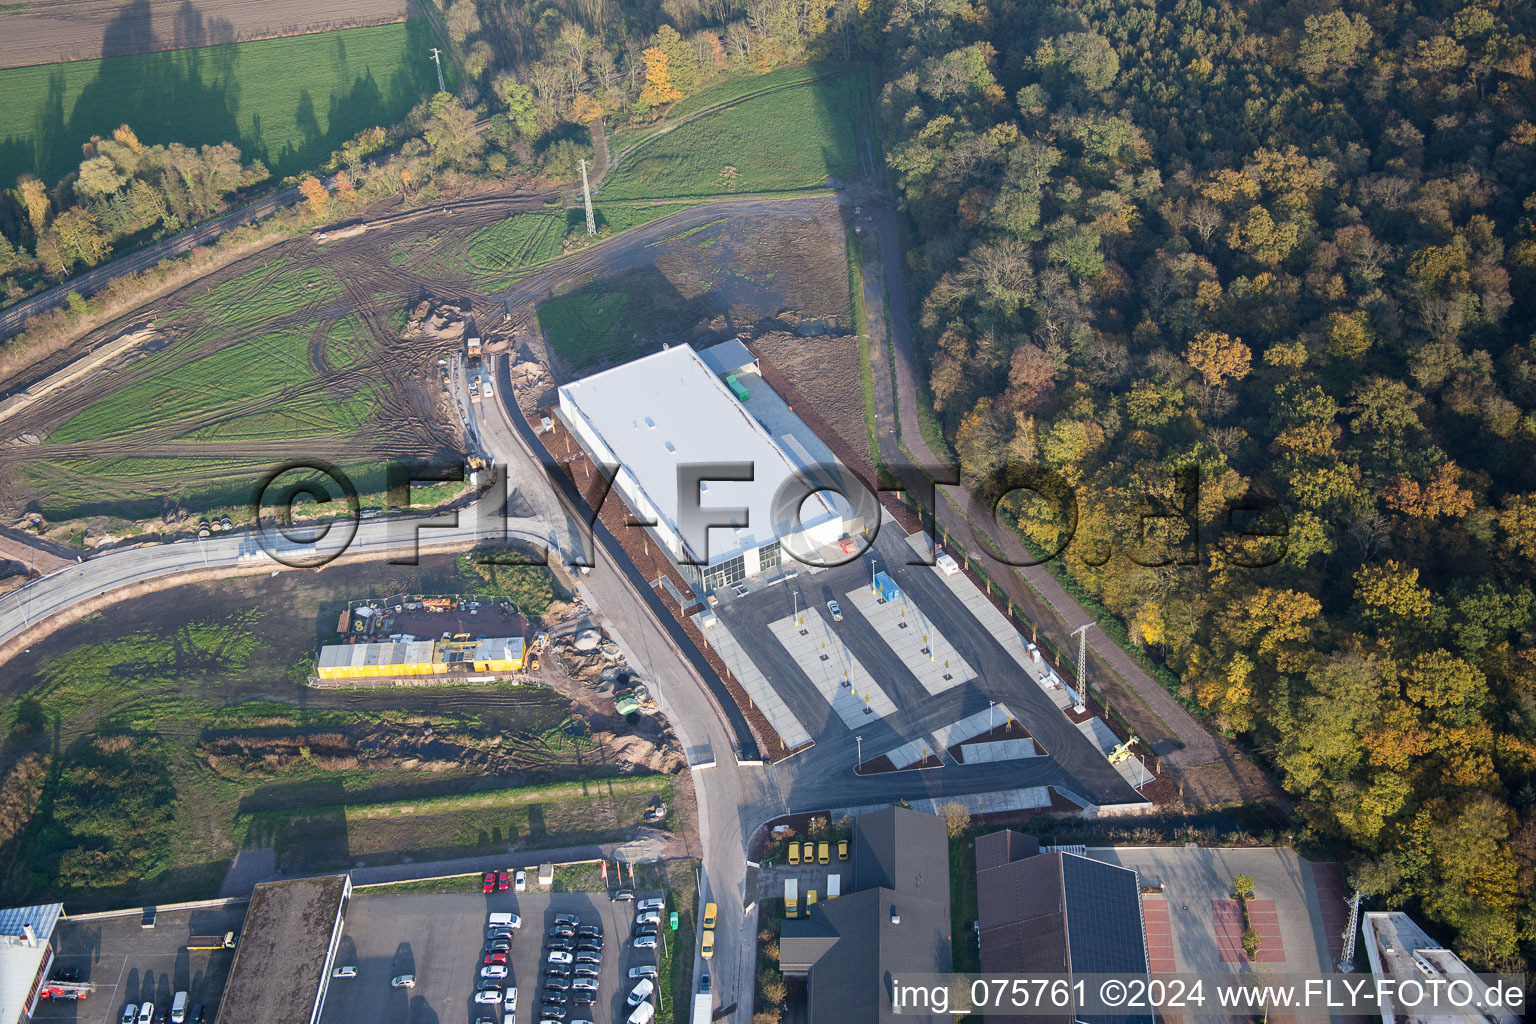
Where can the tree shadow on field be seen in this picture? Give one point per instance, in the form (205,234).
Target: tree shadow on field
(184,85)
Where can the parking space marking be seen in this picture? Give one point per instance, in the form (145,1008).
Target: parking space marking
(915,641)
(756,684)
(828,663)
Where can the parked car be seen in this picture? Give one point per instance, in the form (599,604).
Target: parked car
(498,946)
(842,849)
(197,1008)
(509,1003)
(562,931)
(503,921)
(349,971)
(497,957)
(66,974)
(710,910)
(587,971)
(488,883)
(559,956)
(559,983)
(587,984)
(645,929)
(130,1013)
(502,882)
(643,971)
(645,942)
(621,895)
(794,854)
(404,981)
(583,998)
(498,932)
(648,917)
(520,881)
(553,1013)
(570,919)
(594,959)
(653,903)
(836,610)
(703,984)
(556,971)
(707,944)
(554,996)
(591,931)
(147,1013)
(493,971)
(643,1014)
(642,992)
(563,944)
(488,996)
(824,853)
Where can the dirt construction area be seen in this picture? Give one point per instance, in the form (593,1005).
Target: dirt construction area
(335,352)
(48,31)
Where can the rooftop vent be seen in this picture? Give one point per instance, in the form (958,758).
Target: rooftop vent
(671,447)
(895,917)
(650,423)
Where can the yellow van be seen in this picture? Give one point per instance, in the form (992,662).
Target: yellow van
(842,849)
(794,854)
(707,949)
(810,900)
(825,853)
(809,856)
(709,915)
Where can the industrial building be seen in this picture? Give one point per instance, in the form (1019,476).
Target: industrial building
(894,920)
(678,408)
(26,956)
(282,967)
(420,658)
(1398,949)
(1054,912)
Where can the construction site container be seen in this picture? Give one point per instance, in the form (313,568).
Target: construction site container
(738,388)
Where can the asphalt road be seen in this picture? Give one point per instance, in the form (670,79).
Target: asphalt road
(101,574)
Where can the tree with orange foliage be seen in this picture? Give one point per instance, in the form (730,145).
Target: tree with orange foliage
(313,191)
(658,89)
(1441,496)
(585,108)
(1219,358)
(346,190)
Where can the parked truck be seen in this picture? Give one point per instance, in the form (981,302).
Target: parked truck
(834,886)
(225,941)
(791,897)
(703,1008)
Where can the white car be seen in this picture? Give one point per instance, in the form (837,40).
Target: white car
(147,1013)
(643,971)
(509,1003)
(130,1013)
(404,981)
(836,610)
(642,992)
(643,1014)
(503,921)
(344,972)
(648,917)
(490,995)
(651,904)
(947,564)
(493,971)
(560,956)
(520,882)
(584,984)
(645,942)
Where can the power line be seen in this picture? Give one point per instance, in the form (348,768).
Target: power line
(586,195)
(439,62)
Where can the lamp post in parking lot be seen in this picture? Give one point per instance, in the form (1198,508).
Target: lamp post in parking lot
(857,764)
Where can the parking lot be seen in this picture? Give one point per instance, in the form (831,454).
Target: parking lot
(127,962)
(440,939)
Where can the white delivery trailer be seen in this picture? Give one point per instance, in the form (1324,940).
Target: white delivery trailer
(703,1008)
(791,897)
(834,886)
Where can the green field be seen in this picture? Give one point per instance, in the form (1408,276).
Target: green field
(794,137)
(504,251)
(178,730)
(287,102)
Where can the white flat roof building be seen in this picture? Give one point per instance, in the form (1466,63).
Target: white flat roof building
(26,954)
(1399,949)
(670,409)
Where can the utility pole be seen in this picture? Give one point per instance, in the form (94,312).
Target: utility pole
(438,60)
(1347,958)
(586,196)
(1081,632)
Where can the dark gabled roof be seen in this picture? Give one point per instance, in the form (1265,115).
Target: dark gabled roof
(902,849)
(851,948)
(1056,913)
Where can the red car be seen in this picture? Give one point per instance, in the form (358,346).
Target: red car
(502,882)
(488,883)
(495,958)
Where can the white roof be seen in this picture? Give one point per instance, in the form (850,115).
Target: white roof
(22,957)
(669,409)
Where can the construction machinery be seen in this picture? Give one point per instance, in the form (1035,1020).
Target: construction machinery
(1122,752)
(225,941)
(65,990)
